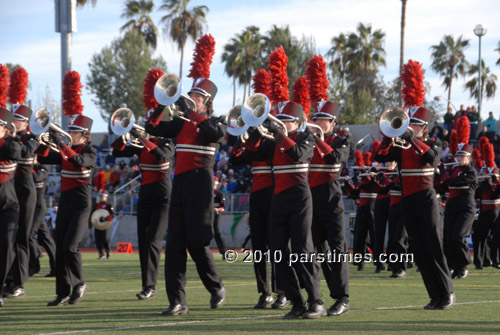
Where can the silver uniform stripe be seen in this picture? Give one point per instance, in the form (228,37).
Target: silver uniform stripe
(155,167)
(324,167)
(395,193)
(264,169)
(491,202)
(75,174)
(407,174)
(291,168)
(201,149)
(39,185)
(291,171)
(459,187)
(8,168)
(26,161)
(368,195)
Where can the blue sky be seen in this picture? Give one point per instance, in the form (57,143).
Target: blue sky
(28,37)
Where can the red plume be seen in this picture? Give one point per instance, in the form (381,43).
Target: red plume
(202,57)
(101,181)
(4,85)
(374,148)
(368,158)
(72,94)
(476,155)
(412,77)
(262,82)
(463,130)
(279,78)
(359,158)
(18,88)
(301,94)
(482,141)
(489,154)
(453,142)
(318,80)
(148,98)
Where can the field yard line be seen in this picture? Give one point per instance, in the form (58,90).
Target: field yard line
(242,319)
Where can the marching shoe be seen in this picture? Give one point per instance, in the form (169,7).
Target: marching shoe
(1,303)
(101,257)
(380,268)
(432,304)
(265,300)
(338,308)
(400,273)
(146,293)
(77,295)
(33,270)
(447,301)
(52,273)
(296,312)
(15,292)
(59,301)
(315,311)
(462,273)
(218,299)
(280,302)
(174,310)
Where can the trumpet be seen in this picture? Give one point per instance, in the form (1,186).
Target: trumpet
(11,128)
(168,89)
(256,110)
(393,123)
(318,129)
(235,124)
(41,122)
(122,121)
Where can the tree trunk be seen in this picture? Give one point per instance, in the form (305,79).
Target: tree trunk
(244,93)
(449,88)
(180,67)
(234,91)
(402,47)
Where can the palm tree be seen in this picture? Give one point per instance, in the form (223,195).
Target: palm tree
(402,46)
(140,21)
(182,23)
(488,81)
(242,56)
(367,49)
(82,3)
(448,60)
(498,49)
(339,54)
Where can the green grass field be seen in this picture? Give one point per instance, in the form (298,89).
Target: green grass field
(379,305)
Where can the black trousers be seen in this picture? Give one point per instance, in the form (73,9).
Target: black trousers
(363,231)
(329,236)
(423,221)
(218,235)
(483,228)
(380,217)
(9,213)
(152,222)
(73,214)
(190,226)
(458,220)
(26,194)
(40,235)
(102,241)
(291,221)
(259,216)
(398,237)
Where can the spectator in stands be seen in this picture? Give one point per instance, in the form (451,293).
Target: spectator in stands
(107,174)
(232,184)
(436,131)
(134,160)
(446,150)
(110,159)
(490,123)
(448,119)
(115,176)
(52,188)
(474,119)
(484,132)
(122,164)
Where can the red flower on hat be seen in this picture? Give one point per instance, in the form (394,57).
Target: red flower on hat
(318,79)
(4,85)
(18,88)
(279,78)
(148,98)
(262,82)
(202,57)
(358,155)
(301,94)
(72,94)
(412,77)
(476,155)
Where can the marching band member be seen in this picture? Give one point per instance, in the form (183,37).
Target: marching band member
(420,208)
(328,205)
(460,206)
(75,202)
(154,194)
(40,234)
(25,186)
(191,210)
(10,151)
(102,236)
(219,203)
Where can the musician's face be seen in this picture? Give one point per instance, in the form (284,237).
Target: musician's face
(77,137)
(20,124)
(199,100)
(418,129)
(462,159)
(325,124)
(291,126)
(3,131)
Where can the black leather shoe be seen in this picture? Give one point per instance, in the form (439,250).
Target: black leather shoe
(218,299)
(15,292)
(315,311)
(433,303)
(52,273)
(296,312)
(379,268)
(146,293)
(478,267)
(338,308)
(280,302)
(77,295)
(34,270)
(447,301)
(462,273)
(265,300)
(59,301)
(175,310)
(400,273)
(1,303)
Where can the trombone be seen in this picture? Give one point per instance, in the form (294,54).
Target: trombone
(393,123)
(256,110)
(41,122)
(122,121)
(168,89)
